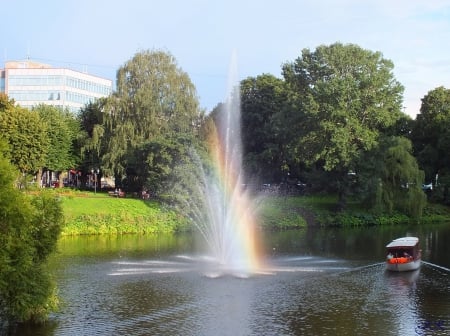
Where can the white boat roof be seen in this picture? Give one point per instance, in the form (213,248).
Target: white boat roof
(403,242)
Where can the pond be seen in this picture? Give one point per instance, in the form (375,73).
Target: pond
(320,282)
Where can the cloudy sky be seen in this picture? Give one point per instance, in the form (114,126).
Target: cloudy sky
(99,36)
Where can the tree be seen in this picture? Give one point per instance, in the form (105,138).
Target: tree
(29,228)
(400,171)
(431,139)
(347,96)
(263,99)
(162,157)
(61,128)
(154,98)
(92,139)
(26,135)
(390,179)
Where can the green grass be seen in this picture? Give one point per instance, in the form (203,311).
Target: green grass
(104,204)
(319,210)
(278,212)
(89,213)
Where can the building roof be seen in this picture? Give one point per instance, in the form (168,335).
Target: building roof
(27,64)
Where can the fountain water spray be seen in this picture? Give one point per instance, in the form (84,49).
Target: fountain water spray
(228,219)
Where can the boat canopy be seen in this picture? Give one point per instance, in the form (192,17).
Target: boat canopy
(403,242)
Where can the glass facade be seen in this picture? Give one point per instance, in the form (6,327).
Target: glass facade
(41,84)
(55,80)
(29,80)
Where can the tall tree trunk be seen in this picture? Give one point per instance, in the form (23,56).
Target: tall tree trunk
(60,180)
(39,178)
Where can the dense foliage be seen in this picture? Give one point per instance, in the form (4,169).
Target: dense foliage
(155,102)
(26,135)
(40,139)
(62,129)
(265,136)
(347,96)
(431,139)
(29,228)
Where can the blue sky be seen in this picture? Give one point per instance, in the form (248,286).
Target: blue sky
(99,36)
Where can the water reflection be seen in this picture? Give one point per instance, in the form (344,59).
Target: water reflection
(208,267)
(318,282)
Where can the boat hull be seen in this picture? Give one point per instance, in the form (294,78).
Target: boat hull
(402,267)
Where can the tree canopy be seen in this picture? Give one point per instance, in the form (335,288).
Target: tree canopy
(154,100)
(431,138)
(26,135)
(263,135)
(62,129)
(346,96)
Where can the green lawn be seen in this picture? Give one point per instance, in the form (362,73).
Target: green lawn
(90,203)
(98,213)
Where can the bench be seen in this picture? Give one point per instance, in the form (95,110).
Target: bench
(116,193)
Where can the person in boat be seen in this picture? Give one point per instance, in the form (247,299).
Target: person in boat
(390,256)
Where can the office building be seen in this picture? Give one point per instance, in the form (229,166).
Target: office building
(31,83)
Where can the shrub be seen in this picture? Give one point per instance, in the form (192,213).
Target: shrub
(29,228)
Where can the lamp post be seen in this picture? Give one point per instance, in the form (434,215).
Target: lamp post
(95,172)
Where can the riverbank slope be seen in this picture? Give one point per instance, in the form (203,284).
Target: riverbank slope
(99,213)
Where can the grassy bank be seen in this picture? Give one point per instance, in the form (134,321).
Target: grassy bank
(300,211)
(89,213)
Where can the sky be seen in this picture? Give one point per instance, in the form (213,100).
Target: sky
(100,36)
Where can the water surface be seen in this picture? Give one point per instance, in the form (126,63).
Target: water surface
(318,282)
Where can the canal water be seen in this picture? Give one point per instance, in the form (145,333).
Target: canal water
(316,282)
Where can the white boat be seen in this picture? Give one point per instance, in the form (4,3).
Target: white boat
(403,254)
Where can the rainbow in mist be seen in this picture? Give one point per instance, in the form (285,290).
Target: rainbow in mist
(229,225)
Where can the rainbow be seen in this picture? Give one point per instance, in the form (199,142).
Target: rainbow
(235,225)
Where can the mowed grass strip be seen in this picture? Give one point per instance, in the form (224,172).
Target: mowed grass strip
(103,214)
(101,204)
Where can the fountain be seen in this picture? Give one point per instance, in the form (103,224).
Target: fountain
(227,219)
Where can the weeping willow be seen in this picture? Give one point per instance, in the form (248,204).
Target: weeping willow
(401,180)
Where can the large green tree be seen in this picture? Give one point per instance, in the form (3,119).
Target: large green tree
(389,178)
(26,135)
(154,99)
(431,138)
(62,129)
(346,95)
(264,136)
(92,139)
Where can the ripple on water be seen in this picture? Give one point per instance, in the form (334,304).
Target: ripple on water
(302,296)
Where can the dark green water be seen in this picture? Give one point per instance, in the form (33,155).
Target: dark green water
(320,282)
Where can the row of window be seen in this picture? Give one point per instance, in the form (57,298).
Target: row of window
(45,95)
(56,80)
(88,86)
(48,80)
(79,98)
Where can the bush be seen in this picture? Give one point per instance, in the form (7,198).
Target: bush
(29,228)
